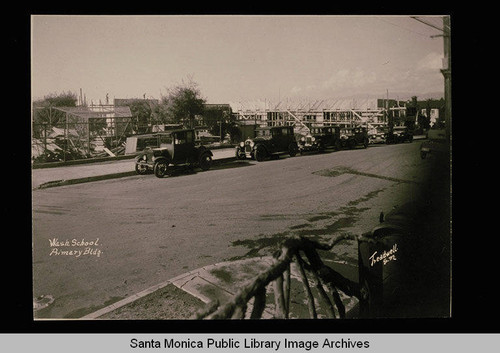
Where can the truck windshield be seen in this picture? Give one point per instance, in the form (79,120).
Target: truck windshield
(165,139)
(263,133)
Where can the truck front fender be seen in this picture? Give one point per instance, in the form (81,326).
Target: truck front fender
(166,159)
(202,149)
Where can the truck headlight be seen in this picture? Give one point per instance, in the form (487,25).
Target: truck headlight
(252,144)
(242,144)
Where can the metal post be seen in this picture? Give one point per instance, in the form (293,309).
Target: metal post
(88,135)
(44,137)
(115,125)
(65,136)
(446,71)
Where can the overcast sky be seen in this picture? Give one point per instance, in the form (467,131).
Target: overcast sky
(235,58)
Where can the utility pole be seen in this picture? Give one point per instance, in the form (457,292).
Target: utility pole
(390,120)
(446,71)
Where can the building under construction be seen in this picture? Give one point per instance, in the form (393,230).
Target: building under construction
(67,133)
(371,113)
(81,132)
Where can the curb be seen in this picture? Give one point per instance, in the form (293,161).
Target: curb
(223,160)
(56,183)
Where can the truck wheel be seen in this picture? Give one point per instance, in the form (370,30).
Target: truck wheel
(141,169)
(260,154)
(161,169)
(423,154)
(205,161)
(365,143)
(292,150)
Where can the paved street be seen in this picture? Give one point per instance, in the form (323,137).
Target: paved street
(99,242)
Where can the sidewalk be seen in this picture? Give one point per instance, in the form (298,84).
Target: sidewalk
(222,281)
(73,174)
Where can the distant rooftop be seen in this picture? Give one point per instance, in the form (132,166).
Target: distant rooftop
(98,111)
(307,105)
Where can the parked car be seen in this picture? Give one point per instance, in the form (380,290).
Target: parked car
(376,138)
(319,139)
(353,137)
(308,143)
(399,134)
(268,141)
(177,148)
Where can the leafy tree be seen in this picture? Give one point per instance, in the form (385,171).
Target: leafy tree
(65,99)
(213,118)
(182,103)
(218,119)
(42,109)
(235,132)
(161,112)
(141,115)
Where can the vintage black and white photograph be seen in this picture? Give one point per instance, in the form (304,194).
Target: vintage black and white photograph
(250,167)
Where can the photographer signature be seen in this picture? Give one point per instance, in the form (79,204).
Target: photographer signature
(385,257)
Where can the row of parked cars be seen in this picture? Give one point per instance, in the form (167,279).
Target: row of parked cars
(398,134)
(179,148)
(271,141)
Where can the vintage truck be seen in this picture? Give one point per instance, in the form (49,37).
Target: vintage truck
(177,148)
